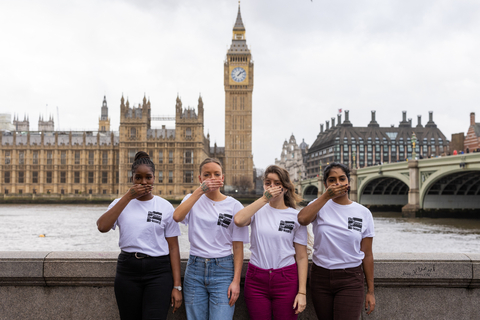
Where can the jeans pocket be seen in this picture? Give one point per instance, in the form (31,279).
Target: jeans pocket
(190,261)
(356,272)
(226,265)
(250,274)
(122,257)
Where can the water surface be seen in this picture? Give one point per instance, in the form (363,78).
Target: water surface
(72,228)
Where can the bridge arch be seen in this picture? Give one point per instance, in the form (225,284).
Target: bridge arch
(384,190)
(453,189)
(310,193)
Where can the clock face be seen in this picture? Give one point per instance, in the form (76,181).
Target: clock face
(238,74)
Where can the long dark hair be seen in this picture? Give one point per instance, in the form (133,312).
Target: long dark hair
(142,158)
(290,197)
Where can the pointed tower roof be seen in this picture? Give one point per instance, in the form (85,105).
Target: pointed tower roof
(239,44)
(239,23)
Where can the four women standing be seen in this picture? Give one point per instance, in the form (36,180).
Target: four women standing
(148,268)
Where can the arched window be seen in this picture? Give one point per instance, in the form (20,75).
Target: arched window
(133,132)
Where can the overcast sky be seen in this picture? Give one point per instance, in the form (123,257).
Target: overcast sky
(311,59)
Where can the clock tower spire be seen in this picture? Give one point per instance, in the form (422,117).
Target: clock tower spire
(238,83)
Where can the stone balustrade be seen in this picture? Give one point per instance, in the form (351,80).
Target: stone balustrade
(79,285)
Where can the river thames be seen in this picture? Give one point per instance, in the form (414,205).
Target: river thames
(33,227)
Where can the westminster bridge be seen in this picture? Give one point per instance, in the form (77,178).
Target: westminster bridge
(451,182)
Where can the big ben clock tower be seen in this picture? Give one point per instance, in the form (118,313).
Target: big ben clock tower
(238,81)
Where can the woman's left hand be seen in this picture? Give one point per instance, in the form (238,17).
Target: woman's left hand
(300,303)
(369,301)
(176,299)
(233,292)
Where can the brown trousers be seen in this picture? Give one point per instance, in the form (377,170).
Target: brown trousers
(337,294)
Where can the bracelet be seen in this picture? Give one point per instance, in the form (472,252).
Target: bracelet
(301,293)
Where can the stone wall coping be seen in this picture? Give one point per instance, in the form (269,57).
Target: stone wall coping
(78,268)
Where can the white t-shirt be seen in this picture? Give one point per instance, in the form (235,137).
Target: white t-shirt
(144,225)
(211,229)
(338,231)
(273,233)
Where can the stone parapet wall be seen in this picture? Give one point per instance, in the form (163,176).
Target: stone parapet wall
(79,285)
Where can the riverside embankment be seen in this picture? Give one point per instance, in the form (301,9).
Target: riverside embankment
(79,285)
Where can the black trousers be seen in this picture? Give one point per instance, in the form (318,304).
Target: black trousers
(337,294)
(143,287)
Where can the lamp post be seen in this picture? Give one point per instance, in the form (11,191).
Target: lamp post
(414,141)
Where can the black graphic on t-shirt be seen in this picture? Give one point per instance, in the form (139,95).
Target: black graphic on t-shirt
(286,226)
(355,224)
(224,220)
(154,216)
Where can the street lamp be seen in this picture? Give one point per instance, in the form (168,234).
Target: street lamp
(414,141)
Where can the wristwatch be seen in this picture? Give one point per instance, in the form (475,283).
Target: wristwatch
(179,288)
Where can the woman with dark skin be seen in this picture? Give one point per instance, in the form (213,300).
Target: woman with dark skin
(343,232)
(148,279)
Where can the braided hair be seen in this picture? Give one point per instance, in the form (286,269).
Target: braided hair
(142,158)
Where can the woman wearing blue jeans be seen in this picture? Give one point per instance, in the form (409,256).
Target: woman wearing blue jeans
(212,278)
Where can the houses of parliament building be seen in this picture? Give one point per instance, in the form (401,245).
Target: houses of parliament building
(99,162)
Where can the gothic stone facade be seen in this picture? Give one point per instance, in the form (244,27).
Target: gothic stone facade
(48,161)
(99,162)
(238,83)
(292,158)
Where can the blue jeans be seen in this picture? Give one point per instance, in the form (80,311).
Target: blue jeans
(206,285)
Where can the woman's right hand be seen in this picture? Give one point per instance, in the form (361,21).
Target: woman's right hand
(337,190)
(139,190)
(210,185)
(272,192)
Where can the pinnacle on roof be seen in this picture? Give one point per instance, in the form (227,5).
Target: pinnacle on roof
(239,23)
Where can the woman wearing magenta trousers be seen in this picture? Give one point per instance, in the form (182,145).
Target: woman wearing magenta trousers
(275,283)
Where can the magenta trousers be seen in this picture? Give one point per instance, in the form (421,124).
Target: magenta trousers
(271,292)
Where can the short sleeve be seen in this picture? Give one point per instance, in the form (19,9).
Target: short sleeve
(239,233)
(369,231)
(301,235)
(171,226)
(114,202)
(187,217)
